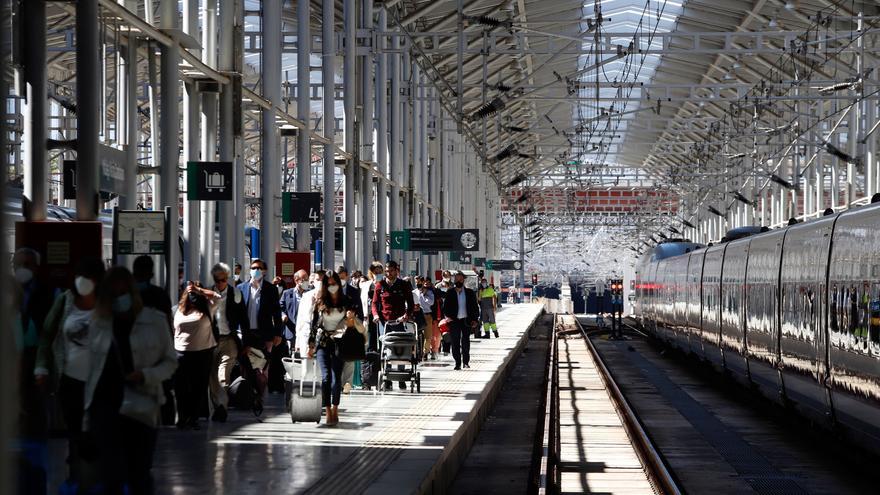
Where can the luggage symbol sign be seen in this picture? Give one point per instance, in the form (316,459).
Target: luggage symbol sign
(209,181)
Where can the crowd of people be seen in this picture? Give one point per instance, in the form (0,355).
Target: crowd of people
(118,360)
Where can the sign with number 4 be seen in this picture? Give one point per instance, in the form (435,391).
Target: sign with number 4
(299,207)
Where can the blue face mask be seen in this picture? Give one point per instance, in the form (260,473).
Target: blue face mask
(380,277)
(122,304)
(257,274)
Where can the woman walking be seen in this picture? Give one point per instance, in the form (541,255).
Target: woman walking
(130,356)
(332,316)
(194,341)
(64,350)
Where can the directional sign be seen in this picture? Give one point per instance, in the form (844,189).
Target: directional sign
(444,239)
(479,261)
(111,173)
(298,207)
(466,259)
(498,265)
(209,181)
(400,239)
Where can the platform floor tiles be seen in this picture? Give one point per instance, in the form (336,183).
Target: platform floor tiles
(386,443)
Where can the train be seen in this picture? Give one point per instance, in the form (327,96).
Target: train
(793,312)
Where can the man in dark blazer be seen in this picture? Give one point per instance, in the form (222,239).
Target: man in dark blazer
(460,306)
(261,302)
(230,317)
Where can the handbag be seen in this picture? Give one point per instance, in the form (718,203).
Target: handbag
(139,406)
(351,346)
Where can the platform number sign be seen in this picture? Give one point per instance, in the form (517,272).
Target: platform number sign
(209,181)
(299,207)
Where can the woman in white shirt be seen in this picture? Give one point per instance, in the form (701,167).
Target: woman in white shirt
(332,316)
(64,349)
(194,341)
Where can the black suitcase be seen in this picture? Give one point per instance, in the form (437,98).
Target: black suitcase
(370,369)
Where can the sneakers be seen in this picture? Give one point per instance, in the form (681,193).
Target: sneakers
(346,389)
(467,366)
(219,415)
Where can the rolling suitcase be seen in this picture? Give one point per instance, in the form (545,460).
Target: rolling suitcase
(305,397)
(370,370)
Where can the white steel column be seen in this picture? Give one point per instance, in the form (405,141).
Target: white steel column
(303,110)
(231,233)
(352,165)
(328,75)
(367,130)
(34,122)
(169,152)
(209,137)
(191,231)
(396,149)
(382,136)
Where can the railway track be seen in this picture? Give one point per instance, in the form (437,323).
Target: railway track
(709,435)
(592,439)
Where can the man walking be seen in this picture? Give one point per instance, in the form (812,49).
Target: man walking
(230,314)
(460,306)
(291,300)
(488,306)
(263,310)
(392,303)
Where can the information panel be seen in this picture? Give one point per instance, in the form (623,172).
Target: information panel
(139,232)
(498,265)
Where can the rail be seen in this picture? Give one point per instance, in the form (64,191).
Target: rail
(655,468)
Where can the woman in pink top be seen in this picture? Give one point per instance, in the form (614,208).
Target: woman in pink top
(194,341)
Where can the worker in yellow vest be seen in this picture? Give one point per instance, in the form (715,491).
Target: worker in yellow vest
(488,304)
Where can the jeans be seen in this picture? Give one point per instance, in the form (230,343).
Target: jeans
(461,341)
(331,374)
(225,355)
(191,383)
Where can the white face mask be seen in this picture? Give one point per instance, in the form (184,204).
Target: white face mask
(304,285)
(23,275)
(84,286)
(333,289)
(318,285)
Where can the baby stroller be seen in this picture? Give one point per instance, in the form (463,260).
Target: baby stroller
(399,348)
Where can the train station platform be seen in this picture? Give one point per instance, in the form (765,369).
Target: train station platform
(394,442)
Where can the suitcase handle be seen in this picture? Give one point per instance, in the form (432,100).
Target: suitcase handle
(304,368)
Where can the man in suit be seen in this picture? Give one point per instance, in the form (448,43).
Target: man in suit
(460,306)
(230,315)
(263,310)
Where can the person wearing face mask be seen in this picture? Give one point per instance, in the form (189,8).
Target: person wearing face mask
(290,302)
(237,278)
(488,307)
(353,296)
(195,338)
(444,340)
(304,312)
(392,303)
(155,297)
(375,273)
(34,304)
(64,352)
(423,295)
(461,308)
(131,354)
(263,309)
(331,317)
